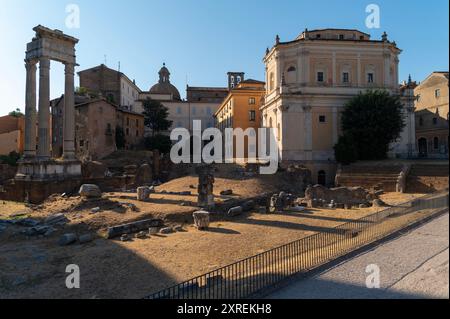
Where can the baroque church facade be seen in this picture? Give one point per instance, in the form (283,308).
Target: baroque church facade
(309,80)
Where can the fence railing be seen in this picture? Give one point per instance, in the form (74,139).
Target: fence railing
(246,277)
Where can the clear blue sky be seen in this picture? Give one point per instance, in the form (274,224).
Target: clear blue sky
(200,40)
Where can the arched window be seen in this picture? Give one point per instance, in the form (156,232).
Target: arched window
(291,69)
(270,123)
(436,143)
(321,178)
(291,75)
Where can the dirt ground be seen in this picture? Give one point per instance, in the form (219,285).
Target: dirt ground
(33,267)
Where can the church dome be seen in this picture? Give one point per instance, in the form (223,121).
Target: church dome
(164,86)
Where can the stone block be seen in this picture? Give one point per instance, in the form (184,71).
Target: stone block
(201,219)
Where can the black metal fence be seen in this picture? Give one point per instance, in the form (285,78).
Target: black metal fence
(244,278)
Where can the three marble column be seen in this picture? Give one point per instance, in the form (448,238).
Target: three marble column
(42,152)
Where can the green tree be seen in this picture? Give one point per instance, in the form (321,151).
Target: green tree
(155,116)
(370,122)
(120,138)
(345,150)
(10,159)
(159,142)
(16,113)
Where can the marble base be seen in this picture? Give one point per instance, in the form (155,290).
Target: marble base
(48,170)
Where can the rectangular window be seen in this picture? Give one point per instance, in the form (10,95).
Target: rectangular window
(322,118)
(319,76)
(437,93)
(341,37)
(252,101)
(345,77)
(370,78)
(128,131)
(137,123)
(252,116)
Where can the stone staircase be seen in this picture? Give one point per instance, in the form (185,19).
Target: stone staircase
(427,178)
(380,175)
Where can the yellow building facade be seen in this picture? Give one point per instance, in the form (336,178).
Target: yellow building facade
(432,116)
(241,109)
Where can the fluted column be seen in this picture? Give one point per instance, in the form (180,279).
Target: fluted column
(44,109)
(30,110)
(69,113)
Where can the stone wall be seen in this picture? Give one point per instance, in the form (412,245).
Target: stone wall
(7,172)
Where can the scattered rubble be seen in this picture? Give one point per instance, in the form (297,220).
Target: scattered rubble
(226,192)
(235,211)
(178,228)
(95,210)
(141,235)
(132,227)
(67,239)
(124,237)
(166,230)
(38,230)
(280,202)
(379,203)
(57,219)
(86,238)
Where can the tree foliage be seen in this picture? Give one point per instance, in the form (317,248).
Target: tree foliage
(155,116)
(16,113)
(120,138)
(370,122)
(10,159)
(345,150)
(159,142)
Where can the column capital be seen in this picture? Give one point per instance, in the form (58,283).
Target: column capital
(29,64)
(69,68)
(307,108)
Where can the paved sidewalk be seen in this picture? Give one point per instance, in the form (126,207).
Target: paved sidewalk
(415,265)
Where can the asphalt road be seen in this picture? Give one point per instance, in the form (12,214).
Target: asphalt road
(414,265)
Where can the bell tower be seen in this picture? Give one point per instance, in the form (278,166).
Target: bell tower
(234,78)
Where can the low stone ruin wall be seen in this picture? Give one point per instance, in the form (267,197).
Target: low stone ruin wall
(341,195)
(7,172)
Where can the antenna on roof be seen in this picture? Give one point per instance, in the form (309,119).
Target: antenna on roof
(104,57)
(119,66)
